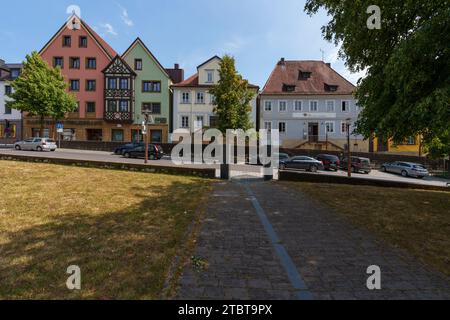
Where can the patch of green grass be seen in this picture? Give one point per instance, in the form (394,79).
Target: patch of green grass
(123,229)
(415,220)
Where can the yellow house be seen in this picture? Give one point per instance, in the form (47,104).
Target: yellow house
(411,146)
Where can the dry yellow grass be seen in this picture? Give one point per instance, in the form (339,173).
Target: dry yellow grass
(415,220)
(122,229)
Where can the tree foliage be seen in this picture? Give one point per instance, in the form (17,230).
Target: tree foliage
(233,97)
(407,88)
(40,90)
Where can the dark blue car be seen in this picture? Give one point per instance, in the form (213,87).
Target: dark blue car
(130,146)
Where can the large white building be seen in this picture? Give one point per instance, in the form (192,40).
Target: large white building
(10,119)
(311,105)
(193,105)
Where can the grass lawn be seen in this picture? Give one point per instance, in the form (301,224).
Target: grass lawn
(123,229)
(415,220)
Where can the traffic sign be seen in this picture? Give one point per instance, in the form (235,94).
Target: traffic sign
(60,126)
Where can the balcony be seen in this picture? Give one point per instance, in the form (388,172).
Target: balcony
(119,117)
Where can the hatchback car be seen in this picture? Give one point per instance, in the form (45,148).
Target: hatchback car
(406,169)
(302,162)
(121,150)
(329,161)
(358,165)
(154,152)
(36,144)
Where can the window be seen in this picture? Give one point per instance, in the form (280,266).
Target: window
(36,132)
(151,86)
(90,85)
(185,122)
(94,134)
(74,63)
(345,106)
(212,99)
(91,63)
(330,88)
(343,127)
(7,110)
(200,98)
(297,106)
(213,121)
(282,105)
(268,125)
(137,64)
(329,125)
(411,141)
(123,106)
(83,42)
(198,122)
(67,41)
(282,127)
(124,84)
(117,135)
(330,106)
(74,85)
(210,76)
(152,107)
(8,131)
(303,75)
(111,106)
(112,83)
(156,136)
(90,107)
(268,106)
(15,73)
(8,90)
(288,88)
(185,97)
(313,106)
(58,62)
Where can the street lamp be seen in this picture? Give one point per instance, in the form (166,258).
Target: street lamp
(148,119)
(348,122)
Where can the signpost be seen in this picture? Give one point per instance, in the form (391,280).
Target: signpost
(148,120)
(59,130)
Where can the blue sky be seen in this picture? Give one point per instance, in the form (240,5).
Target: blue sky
(256,32)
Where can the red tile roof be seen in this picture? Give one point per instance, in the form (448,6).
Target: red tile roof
(286,73)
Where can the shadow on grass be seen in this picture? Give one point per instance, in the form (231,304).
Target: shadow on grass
(122,255)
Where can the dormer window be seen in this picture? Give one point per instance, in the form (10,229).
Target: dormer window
(331,87)
(304,75)
(210,76)
(288,88)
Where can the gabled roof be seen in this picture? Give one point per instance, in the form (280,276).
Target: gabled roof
(125,64)
(286,73)
(193,82)
(106,48)
(209,60)
(139,41)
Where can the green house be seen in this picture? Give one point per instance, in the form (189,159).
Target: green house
(152,91)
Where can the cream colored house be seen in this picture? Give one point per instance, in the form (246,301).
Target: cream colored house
(193,105)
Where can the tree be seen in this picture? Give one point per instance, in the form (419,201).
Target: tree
(41,91)
(233,96)
(407,88)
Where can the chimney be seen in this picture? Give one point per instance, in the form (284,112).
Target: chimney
(328,65)
(282,62)
(176,74)
(177,66)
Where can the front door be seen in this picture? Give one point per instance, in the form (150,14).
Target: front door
(313,132)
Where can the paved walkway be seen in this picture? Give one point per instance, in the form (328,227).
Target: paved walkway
(300,251)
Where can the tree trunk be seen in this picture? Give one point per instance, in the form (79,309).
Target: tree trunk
(41,129)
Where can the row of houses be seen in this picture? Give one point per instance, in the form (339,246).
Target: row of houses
(307,101)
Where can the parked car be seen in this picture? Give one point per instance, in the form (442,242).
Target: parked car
(329,161)
(358,165)
(36,144)
(406,169)
(121,150)
(154,152)
(282,156)
(301,162)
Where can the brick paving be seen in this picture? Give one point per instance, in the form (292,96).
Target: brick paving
(330,255)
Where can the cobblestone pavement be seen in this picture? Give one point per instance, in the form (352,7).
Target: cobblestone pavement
(330,255)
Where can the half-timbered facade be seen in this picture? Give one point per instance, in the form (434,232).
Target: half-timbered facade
(119,92)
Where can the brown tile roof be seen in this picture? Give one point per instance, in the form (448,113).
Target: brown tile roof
(112,53)
(286,73)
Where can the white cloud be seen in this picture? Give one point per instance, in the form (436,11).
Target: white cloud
(108,28)
(125,17)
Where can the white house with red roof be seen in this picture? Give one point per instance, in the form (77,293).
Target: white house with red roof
(310,104)
(193,105)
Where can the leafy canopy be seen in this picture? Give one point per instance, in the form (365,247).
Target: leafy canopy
(41,90)
(232,96)
(407,88)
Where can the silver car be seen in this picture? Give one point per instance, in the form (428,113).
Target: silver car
(36,144)
(406,169)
